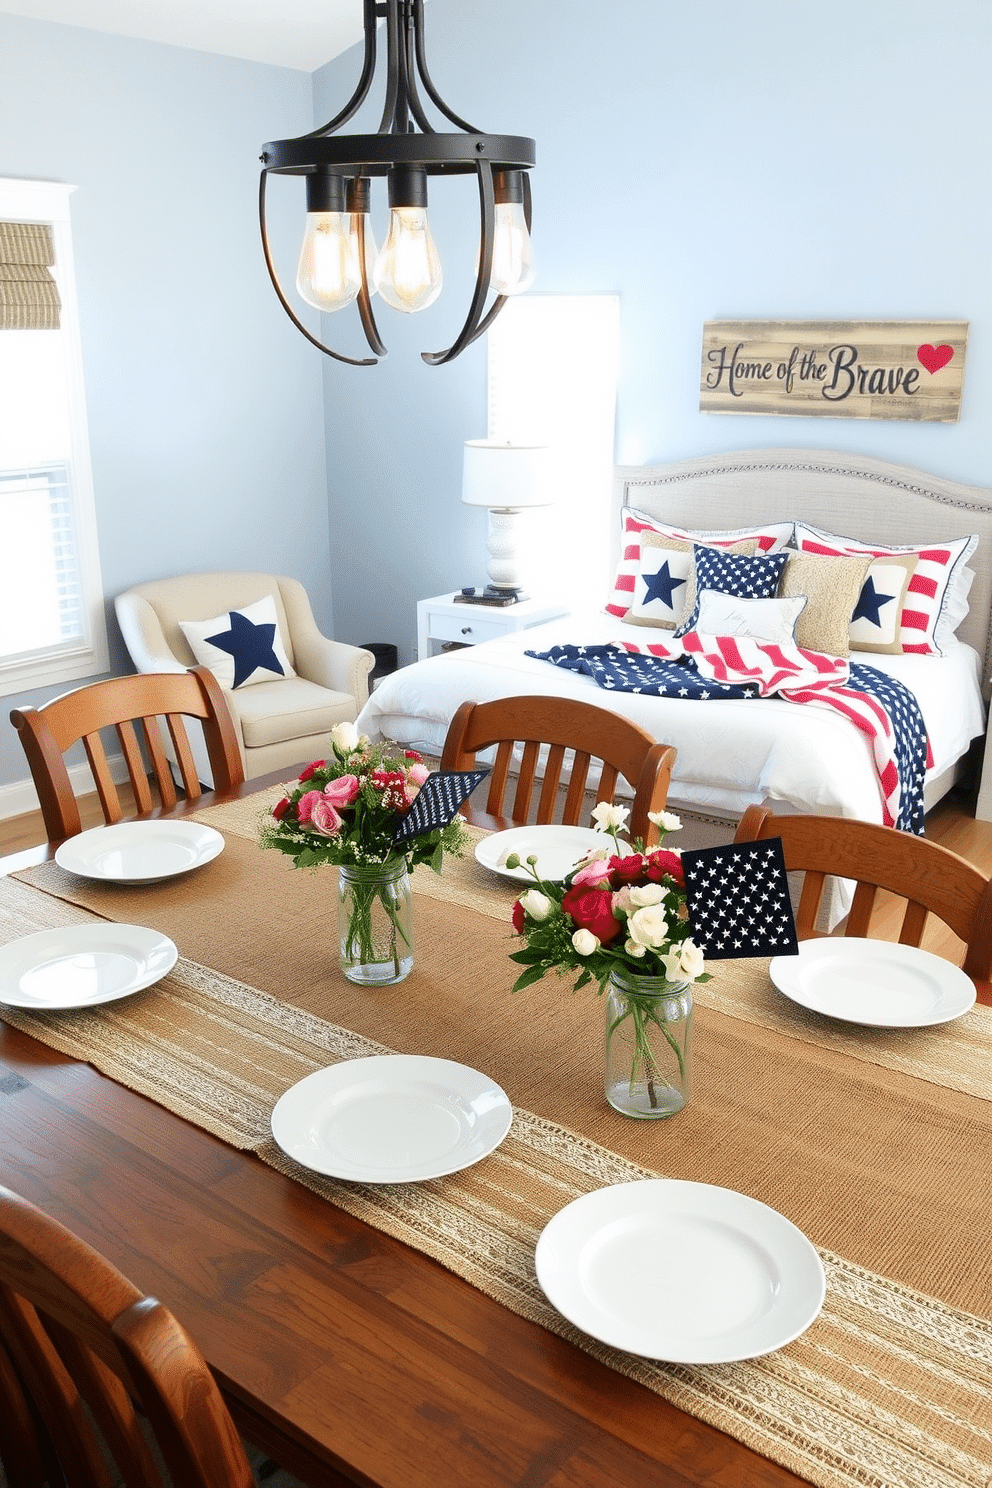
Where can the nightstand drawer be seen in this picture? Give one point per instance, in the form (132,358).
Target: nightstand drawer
(468,626)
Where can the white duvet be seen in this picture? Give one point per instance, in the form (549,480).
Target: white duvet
(731,754)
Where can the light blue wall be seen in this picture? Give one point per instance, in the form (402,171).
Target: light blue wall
(205,413)
(768,159)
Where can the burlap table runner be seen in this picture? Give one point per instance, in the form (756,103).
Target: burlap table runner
(892,1171)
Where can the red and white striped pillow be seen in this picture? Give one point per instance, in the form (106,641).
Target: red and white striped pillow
(936,598)
(771,538)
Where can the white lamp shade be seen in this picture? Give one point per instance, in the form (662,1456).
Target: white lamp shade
(507,476)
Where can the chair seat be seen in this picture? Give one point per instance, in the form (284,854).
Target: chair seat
(276,712)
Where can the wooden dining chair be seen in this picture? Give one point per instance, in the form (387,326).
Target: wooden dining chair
(575,734)
(931,878)
(133,707)
(90,1370)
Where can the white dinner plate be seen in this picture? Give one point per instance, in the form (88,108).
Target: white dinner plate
(557,849)
(391,1118)
(874,982)
(685,1272)
(139,851)
(81,965)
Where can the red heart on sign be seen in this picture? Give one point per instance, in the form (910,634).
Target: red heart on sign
(934,357)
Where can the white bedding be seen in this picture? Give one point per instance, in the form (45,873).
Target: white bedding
(730,754)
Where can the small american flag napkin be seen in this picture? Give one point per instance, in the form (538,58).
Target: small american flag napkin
(738,900)
(436,802)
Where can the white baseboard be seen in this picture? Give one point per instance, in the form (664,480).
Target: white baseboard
(20,797)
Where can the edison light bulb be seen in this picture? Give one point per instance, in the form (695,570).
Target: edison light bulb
(513,257)
(328,276)
(408,270)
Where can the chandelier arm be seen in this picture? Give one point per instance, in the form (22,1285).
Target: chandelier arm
(425,77)
(413,96)
(365,299)
(475,324)
(337,355)
(390,122)
(364,83)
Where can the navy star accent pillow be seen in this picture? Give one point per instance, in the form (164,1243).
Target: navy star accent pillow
(737,574)
(870,602)
(661,585)
(738,900)
(250,645)
(242,647)
(437,802)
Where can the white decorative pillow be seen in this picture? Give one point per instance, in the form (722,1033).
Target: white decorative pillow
(770,537)
(762,619)
(936,597)
(242,647)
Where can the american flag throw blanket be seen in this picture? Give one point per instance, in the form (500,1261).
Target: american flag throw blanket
(714,667)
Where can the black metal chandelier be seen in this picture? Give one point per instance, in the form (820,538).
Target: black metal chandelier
(339,261)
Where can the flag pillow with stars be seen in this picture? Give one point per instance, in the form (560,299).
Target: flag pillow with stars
(733,573)
(242,647)
(436,803)
(876,620)
(738,900)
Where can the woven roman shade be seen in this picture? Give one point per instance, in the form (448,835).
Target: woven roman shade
(29,298)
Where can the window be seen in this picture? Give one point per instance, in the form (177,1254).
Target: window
(553,369)
(52,625)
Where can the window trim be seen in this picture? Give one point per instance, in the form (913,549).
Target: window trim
(48,201)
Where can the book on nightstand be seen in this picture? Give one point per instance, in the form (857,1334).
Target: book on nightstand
(496,597)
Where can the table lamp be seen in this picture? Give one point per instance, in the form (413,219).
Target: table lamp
(505,478)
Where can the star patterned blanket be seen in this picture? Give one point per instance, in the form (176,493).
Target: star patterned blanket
(710,668)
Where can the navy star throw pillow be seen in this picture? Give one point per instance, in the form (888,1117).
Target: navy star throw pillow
(242,647)
(249,644)
(737,574)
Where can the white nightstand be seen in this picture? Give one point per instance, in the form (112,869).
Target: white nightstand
(440,620)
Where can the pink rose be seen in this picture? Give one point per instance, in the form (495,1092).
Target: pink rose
(417,773)
(306,803)
(342,791)
(324,818)
(595,874)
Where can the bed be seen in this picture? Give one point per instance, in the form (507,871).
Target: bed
(732,754)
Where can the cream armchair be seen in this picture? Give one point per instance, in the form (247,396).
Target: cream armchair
(278,723)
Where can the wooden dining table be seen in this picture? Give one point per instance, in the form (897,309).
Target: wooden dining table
(344,1353)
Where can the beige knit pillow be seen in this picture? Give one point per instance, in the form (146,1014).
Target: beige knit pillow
(832,587)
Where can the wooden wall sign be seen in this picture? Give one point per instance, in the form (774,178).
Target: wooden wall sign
(892,369)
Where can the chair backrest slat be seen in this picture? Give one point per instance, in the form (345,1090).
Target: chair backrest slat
(497,778)
(525,781)
(159,762)
(913,923)
(862,905)
(553,764)
(102,777)
(184,755)
(575,796)
(564,726)
(136,768)
(47,732)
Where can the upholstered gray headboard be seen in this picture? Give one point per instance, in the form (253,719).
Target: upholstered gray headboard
(849,494)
